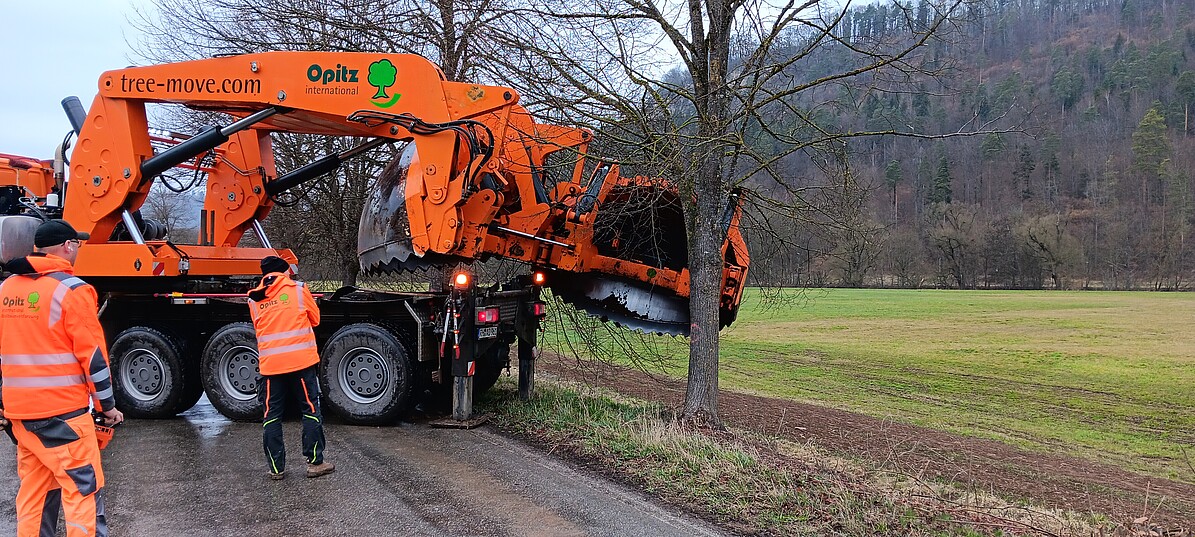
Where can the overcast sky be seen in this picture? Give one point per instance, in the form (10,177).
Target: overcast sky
(51,49)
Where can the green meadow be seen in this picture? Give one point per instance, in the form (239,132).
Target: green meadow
(1108,376)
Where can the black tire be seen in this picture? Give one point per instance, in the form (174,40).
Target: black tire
(367,374)
(194,388)
(229,370)
(490,368)
(191,396)
(149,376)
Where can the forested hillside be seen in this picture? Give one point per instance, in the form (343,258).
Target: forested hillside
(1080,176)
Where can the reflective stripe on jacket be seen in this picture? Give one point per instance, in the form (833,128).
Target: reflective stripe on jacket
(52,351)
(284,313)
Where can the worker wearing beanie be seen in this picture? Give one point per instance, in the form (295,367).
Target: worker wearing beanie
(54,365)
(284,313)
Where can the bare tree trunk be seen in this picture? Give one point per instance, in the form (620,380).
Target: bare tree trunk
(705,243)
(705,264)
(348,273)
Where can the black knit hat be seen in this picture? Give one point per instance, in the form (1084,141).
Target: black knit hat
(55,232)
(274,263)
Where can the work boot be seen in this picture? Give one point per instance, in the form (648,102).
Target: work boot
(323,468)
(277,476)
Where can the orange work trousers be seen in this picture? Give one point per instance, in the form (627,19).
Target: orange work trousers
(58,461)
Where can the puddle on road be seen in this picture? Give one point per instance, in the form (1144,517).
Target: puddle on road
(205,420)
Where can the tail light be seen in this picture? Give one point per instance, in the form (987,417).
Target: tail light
(539,309)
(487,316)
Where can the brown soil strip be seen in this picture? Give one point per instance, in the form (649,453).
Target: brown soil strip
(1057,481)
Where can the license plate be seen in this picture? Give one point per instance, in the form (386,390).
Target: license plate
(487,332)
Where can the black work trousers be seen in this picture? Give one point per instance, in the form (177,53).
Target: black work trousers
(275,391)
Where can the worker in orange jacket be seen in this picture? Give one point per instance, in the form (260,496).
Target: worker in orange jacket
(284,313)
(53,362)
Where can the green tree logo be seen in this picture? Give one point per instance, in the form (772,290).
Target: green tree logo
(382,75)
(33,298)
(285,297)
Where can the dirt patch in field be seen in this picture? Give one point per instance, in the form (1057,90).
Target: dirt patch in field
(1054,480)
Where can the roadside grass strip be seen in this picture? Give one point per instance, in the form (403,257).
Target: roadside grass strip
(758,485)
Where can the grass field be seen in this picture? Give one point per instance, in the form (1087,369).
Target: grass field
(1108,376)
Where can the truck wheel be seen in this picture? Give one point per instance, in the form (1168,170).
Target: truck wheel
(367,374)
(229,370)
(149,376)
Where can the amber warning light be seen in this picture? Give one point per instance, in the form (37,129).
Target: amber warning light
(461,280)
(538,278)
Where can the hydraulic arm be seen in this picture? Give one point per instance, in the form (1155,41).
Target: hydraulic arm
(472,182)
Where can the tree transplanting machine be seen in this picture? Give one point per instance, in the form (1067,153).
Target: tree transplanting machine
(473,181)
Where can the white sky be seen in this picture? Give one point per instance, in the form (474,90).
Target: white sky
(50,49)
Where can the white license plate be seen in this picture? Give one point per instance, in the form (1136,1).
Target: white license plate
(487,332)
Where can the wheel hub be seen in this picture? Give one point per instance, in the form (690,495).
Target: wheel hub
(141,374)
(239,377)
(364,375)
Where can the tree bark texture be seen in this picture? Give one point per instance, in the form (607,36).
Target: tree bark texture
(710,196)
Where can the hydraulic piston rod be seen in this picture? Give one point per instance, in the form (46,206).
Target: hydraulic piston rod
(320,166)
(204,141)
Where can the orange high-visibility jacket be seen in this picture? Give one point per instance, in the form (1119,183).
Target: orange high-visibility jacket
(284,313)
(52,351)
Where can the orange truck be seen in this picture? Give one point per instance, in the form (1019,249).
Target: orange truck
(476,177)
(26,177)
(26,185)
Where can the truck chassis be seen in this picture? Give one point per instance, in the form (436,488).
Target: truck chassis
(381,352)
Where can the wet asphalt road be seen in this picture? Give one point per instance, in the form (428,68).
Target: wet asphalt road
(203,475)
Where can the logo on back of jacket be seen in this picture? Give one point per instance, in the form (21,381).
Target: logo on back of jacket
(284,299)
(21,306)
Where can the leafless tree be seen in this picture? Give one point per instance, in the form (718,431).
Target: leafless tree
(957,236)
(744,71)
(904,257)
(175,210)
(451,33)
(1047,239)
